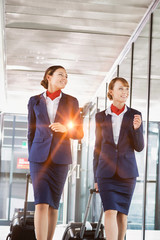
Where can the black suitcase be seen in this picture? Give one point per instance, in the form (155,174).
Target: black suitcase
(78,230)
(22,224)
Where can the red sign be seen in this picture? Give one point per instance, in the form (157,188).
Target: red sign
(22,163)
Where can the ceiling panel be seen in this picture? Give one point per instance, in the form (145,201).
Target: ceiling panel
(85,37)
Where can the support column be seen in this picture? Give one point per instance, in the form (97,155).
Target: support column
(78,183)
(147,132)
(157,208)
(2,58)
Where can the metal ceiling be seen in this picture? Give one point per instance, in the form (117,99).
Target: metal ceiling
(84,36)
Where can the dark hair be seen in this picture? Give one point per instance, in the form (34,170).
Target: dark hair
(112,83)
(50,72)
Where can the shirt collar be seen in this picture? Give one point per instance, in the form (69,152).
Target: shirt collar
(45,96)
(108,111)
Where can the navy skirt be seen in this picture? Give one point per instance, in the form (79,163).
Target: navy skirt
(116,193)
(48,181)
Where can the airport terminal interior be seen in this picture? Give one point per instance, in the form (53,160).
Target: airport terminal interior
(95,40)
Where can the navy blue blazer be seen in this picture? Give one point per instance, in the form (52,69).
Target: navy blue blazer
(42,140)
(109,157)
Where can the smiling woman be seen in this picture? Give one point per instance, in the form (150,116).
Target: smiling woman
(49,156)
(119,132)
(119,87)
(55,78)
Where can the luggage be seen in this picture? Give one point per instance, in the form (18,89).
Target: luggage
(78,230)
(22,224)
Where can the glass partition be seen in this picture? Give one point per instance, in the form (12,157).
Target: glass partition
(84,159)
(139,68)
(72,176)
(14,166)
(125,67)
(153,181)
(139,102)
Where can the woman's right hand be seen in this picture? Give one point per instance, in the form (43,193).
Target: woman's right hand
(58,127)
(96,186)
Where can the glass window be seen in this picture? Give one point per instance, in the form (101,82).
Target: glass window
(87,179)
(14,164)
(125,70)
(101,98)
(84,159)
(72,176)
(153,181)
(139,102)
(125,67)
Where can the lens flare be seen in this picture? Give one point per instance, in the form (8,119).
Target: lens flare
(70,125)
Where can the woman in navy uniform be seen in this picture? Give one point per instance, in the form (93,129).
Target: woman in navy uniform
(119,132)
(53,118)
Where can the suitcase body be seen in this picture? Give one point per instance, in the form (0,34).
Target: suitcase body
(21,229)
(78,231)
(72,232)
(22,224)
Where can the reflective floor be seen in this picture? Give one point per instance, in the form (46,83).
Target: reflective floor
(4,230)
(131,234)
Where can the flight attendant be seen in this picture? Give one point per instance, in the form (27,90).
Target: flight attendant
(119,133)
(53,118)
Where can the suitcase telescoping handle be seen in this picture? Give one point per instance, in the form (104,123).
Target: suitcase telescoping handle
(26,197)
(82,230)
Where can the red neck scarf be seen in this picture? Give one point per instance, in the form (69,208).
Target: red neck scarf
(53,95)
(116,110)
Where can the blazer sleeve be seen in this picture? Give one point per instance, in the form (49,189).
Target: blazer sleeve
(98,142)
(76,132)
(31,124)
(138,139)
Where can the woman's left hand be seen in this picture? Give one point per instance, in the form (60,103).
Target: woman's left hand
(58,127)
(137,121)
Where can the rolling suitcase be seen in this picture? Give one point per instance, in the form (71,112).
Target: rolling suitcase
(22,224)
(78,231)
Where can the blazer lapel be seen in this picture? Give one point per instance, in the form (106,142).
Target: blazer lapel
(109,127)
(124,124)
(60,114)
(41,104)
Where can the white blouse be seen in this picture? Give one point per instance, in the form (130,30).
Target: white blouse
(116,122)
(52,106)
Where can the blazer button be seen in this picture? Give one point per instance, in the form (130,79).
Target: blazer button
(116,150)
(51,134)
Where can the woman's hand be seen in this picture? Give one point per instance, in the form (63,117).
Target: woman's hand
(58,127)
(137,121)
(96,186)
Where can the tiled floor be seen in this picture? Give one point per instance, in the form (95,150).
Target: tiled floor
(131,234)
(137,235)
(4,230)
